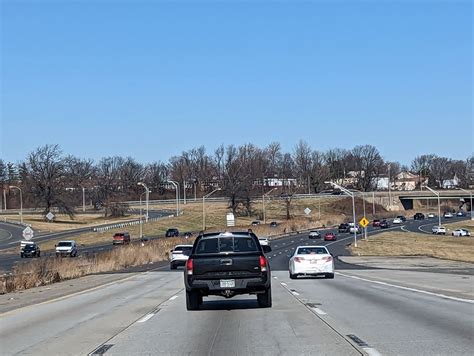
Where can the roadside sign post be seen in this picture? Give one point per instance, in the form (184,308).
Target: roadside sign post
(364,223)
(28,233)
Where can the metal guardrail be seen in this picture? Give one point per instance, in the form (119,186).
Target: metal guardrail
(128,223)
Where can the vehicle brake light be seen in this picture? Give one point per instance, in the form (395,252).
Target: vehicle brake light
(299,259)
(189,266)
(263,264)
(328,258)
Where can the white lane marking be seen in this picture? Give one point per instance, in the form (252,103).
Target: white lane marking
(269,257)
(403,228)
(294,292)
(470,301)
(319,311)
(274,255)
(424,231)
(279,253)
(283,284)
(145,318)
(173,297)
(371,351)
(292,241)
(275,277)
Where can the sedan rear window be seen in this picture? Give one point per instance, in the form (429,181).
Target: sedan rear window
(226,244)
(312,251)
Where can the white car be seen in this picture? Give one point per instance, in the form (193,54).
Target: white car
(397,221)
(66,248)
(314,234)
(439,230)
(263,241)
(311,260)
(355,229)
(179,255)
(448,215)
(431,215)
(461,232)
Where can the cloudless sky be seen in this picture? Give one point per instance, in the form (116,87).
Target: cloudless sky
(150,79)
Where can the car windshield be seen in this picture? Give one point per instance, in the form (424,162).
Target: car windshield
(312,251)
(66,244)
(226,244)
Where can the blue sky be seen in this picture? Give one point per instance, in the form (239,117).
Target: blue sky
(149,79)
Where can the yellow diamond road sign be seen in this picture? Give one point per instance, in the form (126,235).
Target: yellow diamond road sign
(364,222)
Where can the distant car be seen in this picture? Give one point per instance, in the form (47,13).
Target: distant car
(330,236)
(29,249)
(419,216)
(384,224)
(263,241)
(376,223)
(402,218)
(431,215)
(460,213)
(397,221)
(343,228)
(172,233)
(438,230)
(273,224)
(448,215)
(188,234)
(355,229)
(313,234)
(311,260)
(461,232)
(179,255)
(66,248)
(121,238)
(255,223)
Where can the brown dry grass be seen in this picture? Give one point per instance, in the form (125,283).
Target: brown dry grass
(465,224)
(44,271)
(416,244)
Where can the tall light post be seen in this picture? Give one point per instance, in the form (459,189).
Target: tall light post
(83,199)
(176,187)
(348,192)
(184,191)
(21,201)
(204,207)
(263,205)
(147,191)
(470,195)
(141,214)
(439,203)
(389,190)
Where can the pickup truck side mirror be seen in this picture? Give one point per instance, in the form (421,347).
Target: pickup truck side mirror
(266,249)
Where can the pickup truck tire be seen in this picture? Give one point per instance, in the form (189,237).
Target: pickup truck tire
(265,299)
(192,300)
(293,276)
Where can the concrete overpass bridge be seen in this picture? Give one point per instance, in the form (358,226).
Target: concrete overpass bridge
(407,198)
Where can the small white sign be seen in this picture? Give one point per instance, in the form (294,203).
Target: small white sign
(307,211)
(28,233)
(50,216)
(230,220)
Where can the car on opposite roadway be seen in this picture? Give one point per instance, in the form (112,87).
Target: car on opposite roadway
(227,264)
(397,221)
(121,238)
(172,232)
(448,215)
(438,230)
(419,216)
(311,260)
(273,224)
(29,249)
(431,215)
(461,232)
(179,255)
(343,228)
(376,223)
(314,234)
(330,236)
(384,224)
(255,223)
(460,213)
(66,248)
(263,241)
(187,234)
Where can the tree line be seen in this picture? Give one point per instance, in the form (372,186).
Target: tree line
(49,178)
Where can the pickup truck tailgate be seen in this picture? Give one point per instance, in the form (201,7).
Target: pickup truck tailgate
(222,266)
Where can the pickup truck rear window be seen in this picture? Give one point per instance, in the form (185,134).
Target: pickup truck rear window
(226,244)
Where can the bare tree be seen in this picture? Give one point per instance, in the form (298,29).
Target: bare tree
(367,161)
(302,158)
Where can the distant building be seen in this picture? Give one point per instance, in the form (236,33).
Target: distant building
(406,181)
(451,183)
(277,182)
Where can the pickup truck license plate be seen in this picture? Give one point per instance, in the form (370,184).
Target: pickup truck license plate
(227,283)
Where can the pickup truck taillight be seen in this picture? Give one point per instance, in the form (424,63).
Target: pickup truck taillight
(263,264)
(189,266)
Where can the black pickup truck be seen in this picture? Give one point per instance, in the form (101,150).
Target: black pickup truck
(227,264)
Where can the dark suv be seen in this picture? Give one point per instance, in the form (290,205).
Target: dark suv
(31,249)
(419,216)
(172,233)
(344,228)
(227,264)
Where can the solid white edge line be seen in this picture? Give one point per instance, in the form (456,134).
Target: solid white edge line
(319,311)
(145,318)
(371,351)
(470,301)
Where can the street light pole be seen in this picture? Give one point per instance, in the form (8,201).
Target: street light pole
(147,191)
(141,215)
(439,203)
(184,191)
(263,205)
(83,200)
(21,202)
(470,195)
(204,208)
(176,186)
(348,192)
